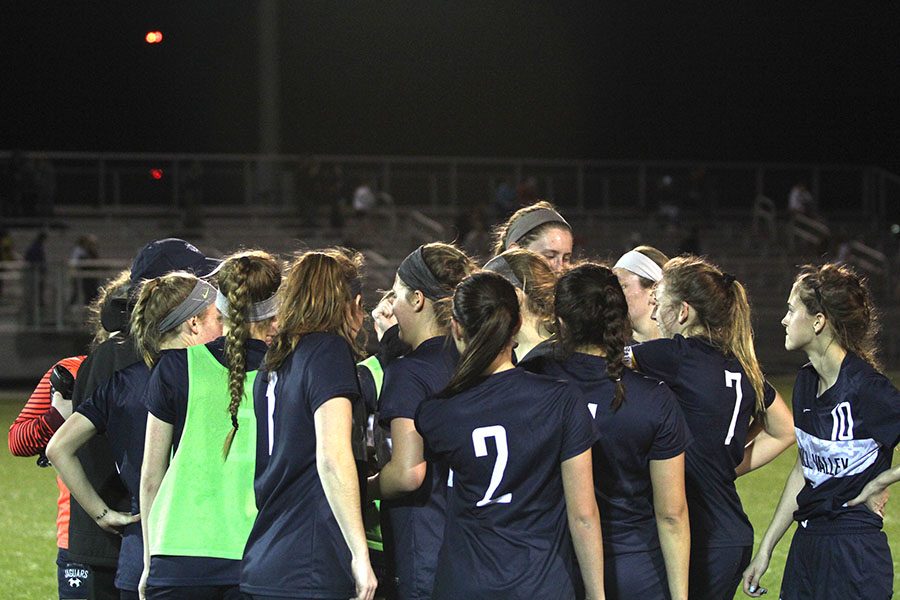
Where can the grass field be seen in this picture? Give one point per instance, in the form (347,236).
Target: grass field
(28,512)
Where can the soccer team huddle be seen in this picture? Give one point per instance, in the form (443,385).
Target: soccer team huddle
(531,428)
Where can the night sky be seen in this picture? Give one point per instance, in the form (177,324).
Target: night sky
(754,81)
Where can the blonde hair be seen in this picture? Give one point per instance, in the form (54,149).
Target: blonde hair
(315,296)
(244,278)
(723,309)
(157,298)
(501,232)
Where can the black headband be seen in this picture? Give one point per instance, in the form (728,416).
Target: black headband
(414,272)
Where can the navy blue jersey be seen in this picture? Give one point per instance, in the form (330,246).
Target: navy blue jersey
(296,548)
(718,402)
(116,409)
(504,439)
(413,526)
(166,398)
(647,426)
(845,437)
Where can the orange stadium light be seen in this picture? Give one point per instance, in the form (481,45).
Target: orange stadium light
(154,37)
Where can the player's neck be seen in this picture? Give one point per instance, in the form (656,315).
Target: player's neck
(530,334)
(826,359)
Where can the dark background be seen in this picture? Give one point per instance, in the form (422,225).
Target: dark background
(738,81)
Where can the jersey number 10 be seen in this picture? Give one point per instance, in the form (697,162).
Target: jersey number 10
(479,440)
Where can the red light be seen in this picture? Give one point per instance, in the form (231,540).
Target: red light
(156,174)
(154,37)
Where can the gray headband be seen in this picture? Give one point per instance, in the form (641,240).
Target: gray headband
(200,297)
(259,311)
(521,226)
(414,272)
(501,266)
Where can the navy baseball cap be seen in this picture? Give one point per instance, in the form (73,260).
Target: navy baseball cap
(171,254)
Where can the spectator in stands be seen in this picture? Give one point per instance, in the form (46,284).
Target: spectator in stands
(477,240)
(6,252)
(35,278)
(504,200)
(527,192)
(800,201)
(691,243)
(86,248)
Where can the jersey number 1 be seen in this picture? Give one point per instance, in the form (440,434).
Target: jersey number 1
(479,440)
(734,380)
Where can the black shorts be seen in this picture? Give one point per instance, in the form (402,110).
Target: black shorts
(79,581)
(838,566)
(635,575)
(715,573)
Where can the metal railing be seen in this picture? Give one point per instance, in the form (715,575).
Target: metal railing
(102,183)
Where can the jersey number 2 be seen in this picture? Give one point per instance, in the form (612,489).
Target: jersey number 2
(734,380)
(479,440)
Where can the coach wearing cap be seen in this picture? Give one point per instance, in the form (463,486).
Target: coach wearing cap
(88,544)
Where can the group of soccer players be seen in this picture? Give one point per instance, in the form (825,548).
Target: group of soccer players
(531,428)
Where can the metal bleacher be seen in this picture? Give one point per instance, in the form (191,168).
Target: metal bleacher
(611,206)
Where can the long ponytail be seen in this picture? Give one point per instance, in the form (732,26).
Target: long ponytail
(741,343)
(245,278)
(486,307)
(591,310)
(723,312)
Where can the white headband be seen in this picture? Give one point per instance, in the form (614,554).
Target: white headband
(259,311)
(639,264)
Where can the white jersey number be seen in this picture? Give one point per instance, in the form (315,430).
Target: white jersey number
(843,422)
(734,380)
(479,439)
(270,408)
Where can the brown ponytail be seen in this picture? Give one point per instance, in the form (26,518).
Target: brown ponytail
(844,298)
(487,309)
(723,311)
(156,299)
(592,311)
(246,277)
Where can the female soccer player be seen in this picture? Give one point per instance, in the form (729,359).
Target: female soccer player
(535,281)
(173,311)
(707,357)
(414,494)
(642,435)
(308,539)
(638,271)
(848,422)
(519,447)
(539,228)
(199,506)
